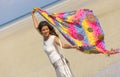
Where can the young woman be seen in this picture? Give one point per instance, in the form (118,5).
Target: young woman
(51,41)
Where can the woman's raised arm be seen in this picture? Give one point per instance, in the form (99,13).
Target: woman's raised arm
(34,19)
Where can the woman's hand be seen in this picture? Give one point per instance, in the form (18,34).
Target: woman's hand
(33,11)
(77,47)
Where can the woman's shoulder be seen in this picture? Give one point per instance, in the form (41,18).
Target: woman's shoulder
(53,37)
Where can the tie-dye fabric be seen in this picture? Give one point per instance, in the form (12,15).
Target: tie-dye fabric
(79,27)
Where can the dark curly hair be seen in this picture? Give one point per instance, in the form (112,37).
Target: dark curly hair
(51,28)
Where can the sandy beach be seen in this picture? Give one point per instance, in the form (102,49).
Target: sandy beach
(21,47)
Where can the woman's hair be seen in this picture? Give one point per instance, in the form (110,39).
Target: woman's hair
(45,23)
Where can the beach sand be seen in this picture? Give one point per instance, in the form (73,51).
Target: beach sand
(21,47)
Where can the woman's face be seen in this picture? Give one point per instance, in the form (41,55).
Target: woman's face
(45,31)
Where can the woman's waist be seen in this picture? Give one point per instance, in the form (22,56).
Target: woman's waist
(54,56)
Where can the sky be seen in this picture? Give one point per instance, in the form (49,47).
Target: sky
(13,9)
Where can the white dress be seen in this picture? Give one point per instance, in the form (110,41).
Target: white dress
(59,63)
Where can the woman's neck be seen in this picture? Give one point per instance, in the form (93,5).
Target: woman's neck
(47,37)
